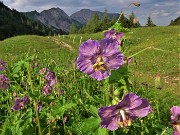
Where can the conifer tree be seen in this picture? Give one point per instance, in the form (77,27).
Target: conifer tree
(93,25)
(113,21)
(106,21)
(150,22)
(124,21)
(73,29)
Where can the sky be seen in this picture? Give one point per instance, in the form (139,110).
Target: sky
(161,11)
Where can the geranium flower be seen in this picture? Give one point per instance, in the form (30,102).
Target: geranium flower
(2,65)
(51,78)
(4,82)
(47,89)
(117,36)
(125,112)
(97,58)
(175,119)
(20,103)
(39,104)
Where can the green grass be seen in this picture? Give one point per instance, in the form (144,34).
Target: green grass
(56,52)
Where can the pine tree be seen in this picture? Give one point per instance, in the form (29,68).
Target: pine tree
(106,21)
(93,25)
(150,22)
(113,21)
(124,21)
(73,29)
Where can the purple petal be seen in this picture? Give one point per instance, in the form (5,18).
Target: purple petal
(39,106)
(109,116)
(141,110)
(100,75)
(89,48)
(107,111)
(108,47)
(111,123)
(16,104)
(176,133)
(175,110)
(135,106)
(85,64)
(115,61)
(108,34)
(2,65)
(26,100)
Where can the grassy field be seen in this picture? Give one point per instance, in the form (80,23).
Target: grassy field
(161,56)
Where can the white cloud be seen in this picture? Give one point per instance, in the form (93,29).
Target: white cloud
(178,12)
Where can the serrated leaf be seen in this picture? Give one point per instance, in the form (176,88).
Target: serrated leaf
(116,75)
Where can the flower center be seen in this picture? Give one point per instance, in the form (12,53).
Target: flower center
(126,121)
(99,65)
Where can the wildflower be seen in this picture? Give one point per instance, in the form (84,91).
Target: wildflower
(2,65)
(20,103)
(43,70)
(125,112)
(175,119)
(117,36)
(97,58)
(39,104)
(4,82)
(51,78)
(61,92)
(47,89)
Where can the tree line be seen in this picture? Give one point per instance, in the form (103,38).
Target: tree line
(95,24)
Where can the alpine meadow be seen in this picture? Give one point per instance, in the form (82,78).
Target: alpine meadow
(108,76)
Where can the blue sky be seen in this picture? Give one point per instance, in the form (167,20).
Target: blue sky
(161,11)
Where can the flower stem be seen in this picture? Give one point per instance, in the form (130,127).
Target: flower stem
(139,52)
(35,105)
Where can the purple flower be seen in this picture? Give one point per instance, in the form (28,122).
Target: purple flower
(2,65)
(20,103)
(175,119)
(51,78)
(117,36)
(125,112)
(39,104)
(97,58)
(47,89)
(4,82)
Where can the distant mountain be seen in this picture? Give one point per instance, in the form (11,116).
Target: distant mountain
(84,15)
(54,18)
(14,23)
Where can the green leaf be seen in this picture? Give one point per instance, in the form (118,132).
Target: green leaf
(93,110)
(59,110)
(101,131)
(116,75)
(90,125)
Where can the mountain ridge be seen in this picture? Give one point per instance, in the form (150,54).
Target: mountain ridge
(57,18)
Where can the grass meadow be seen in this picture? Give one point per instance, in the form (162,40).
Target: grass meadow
(75,111)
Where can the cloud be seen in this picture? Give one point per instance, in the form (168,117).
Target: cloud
(157,9)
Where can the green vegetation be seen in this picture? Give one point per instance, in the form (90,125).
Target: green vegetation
(84,95)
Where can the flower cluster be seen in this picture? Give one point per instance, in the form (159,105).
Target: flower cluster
(175,119)
(2,65)
(4,81)
(50,80)
(98,58)
(20,103)
(116,36)
(124,113)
